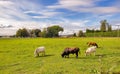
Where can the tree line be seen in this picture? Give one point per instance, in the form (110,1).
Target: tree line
(51,31)
(105,31)
(104,27)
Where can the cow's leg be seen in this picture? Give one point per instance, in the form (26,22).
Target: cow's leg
(89,53)
(65,56)
(37,54)
(43,53)
(85,54)
(94,54)
(76,54)
(68,55)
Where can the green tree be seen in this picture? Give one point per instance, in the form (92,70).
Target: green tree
(103,25)
(35,32)
(80,33)
(22,33)
(89,31)
(53,31)
(19,33)
(109,28)
(74,34)
(44,33)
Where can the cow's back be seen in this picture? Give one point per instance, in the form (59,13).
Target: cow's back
(41,49)
(91,49)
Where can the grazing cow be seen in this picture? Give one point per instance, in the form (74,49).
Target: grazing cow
(39,50)
(90,50)
(92,44)
(68,51)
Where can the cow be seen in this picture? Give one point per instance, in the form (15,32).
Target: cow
(39,50)
(92,44)
(90,50)
(68,51)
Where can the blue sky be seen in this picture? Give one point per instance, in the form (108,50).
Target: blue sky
(72,15)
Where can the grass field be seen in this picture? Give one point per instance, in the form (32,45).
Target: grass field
(16,56)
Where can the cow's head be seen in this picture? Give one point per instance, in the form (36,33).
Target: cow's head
(62,54)
(87,42)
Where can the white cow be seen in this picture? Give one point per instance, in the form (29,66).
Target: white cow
(90,50)
(39,50)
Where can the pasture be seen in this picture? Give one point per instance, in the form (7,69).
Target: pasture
(17,56)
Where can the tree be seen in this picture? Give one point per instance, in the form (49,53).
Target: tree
(89,31)
(109,28)
(53,31)
(44,33)
(22,33)
(74,34)
(19,33)
(103,25)
(80,33)
(35,32)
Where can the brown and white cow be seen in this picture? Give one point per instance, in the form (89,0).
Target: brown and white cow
(68,51)
(90,50)
(92,44)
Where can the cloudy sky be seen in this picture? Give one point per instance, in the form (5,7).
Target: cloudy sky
(72,15)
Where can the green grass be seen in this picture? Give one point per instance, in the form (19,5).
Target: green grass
(16,56)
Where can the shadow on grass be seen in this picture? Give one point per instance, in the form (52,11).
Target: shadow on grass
(100,55)
(47,55)
(4,51)
(89,57)
(81,57)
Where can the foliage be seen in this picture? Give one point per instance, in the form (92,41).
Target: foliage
(44,33)
(53,31)
(103,25)
(81,34)
(22,33)
(35,32)
(113,33)
(109,28)
(74,34)
(89,31)
(105,31)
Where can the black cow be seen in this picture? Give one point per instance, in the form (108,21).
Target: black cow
(68,51)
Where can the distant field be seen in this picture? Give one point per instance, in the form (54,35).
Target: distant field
(16,56)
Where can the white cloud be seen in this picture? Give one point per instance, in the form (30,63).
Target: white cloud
(99,10)
(68,4)
(72,25)
(19,24)
(10,10)
(88,6)
(7,3)
(4,32)
(76,3)
(43,13)
(18,14)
